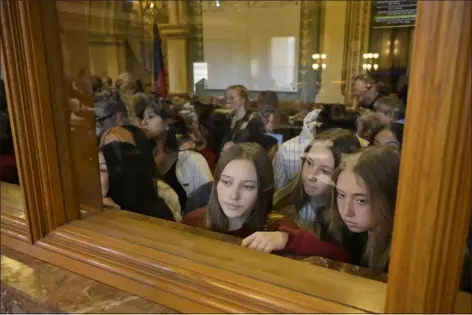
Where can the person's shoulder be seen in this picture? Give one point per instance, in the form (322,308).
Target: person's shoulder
(202,190)
(189,154)
(269,141)
(291,144)
(205,187)
(194,157)
(162,184)
(195,218)
(285,191)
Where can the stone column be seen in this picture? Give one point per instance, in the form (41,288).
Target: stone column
(333,45)
(175,36)
(172,7)
(358,17)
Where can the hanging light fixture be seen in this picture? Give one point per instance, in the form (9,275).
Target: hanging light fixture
(152,7)
(319,61)
(370,61)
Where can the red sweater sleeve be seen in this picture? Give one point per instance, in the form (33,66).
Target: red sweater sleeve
(195,218)
(304,243)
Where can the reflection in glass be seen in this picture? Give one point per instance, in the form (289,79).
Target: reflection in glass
(243,45)
(313,56)
(8,166)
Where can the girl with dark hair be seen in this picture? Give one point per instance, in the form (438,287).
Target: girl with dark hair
(240,205)
(133,135)
(187,131)
(127,179)
(304,197)
(203,135)
(184,170)
(215,126)
(362,205)
(139,87)
(178,126)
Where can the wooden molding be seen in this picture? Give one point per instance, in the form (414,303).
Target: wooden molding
(177,282)
(227,269)
(12,212)
(169,30)
(59,95)
(434,200)
(191,273)
(168,263)
(200,287)
(31,114)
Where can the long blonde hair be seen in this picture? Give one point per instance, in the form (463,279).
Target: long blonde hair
(378,167)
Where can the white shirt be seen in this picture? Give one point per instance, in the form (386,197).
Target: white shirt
(288,159)
(192,170)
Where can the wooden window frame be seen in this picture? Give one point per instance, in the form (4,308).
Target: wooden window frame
(190,273)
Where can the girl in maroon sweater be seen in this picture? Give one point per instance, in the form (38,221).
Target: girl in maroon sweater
(240,203)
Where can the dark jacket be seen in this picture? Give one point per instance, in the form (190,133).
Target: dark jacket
(355,244)
(199,198)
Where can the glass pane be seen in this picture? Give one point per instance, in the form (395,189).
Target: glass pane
(9,172)
(11,198)
(466,277)
(153,109)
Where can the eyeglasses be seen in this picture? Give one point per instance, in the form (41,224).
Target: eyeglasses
(101,120)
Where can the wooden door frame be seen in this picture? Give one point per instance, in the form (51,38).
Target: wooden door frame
(195,274)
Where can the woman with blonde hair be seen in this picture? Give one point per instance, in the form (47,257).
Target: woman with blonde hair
(362,205)
(237,100)
(131,91)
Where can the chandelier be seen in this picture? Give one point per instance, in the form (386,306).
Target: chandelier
(152,10)
(152,7)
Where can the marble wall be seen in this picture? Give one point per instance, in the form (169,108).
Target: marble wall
(29,285)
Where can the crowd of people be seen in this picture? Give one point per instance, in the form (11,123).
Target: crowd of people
(330,191)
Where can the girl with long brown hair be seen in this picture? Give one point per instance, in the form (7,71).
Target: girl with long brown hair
(240,205)
(362,205)
(304,197)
